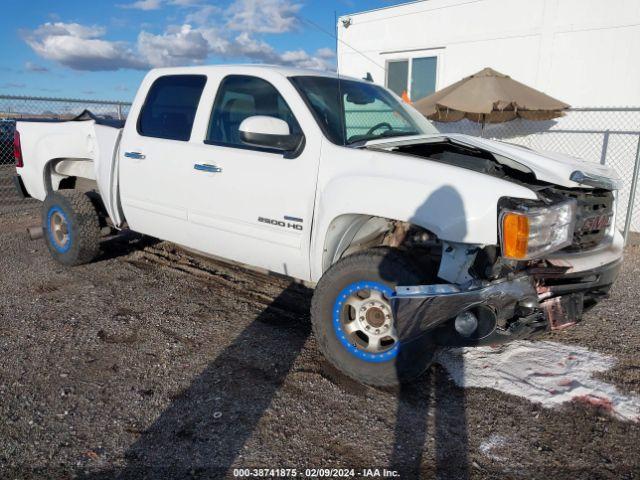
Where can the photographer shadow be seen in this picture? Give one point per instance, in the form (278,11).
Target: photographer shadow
(434,395)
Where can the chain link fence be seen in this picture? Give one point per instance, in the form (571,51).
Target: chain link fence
(609,136)
(16,108)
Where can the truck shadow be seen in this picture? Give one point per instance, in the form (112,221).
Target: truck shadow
(203,432)
(124,243)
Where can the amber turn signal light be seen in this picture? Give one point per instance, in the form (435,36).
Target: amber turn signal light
(515,235)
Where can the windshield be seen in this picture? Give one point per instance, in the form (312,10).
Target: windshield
(352,112)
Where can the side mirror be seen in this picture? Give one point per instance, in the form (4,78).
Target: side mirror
(268,132)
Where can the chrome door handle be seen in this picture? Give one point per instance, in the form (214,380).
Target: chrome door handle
(205,167)
(135,155)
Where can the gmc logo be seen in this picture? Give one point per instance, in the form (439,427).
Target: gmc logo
(597,222)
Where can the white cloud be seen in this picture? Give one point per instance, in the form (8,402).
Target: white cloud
(203,15)
(158,4)
(301,59)
(71,29)
(326,53)
(244,45)
(188,45)
(35,68)
(178,46)
(206,32)
(263,16)
(185,3)
(143,5)
(80,47)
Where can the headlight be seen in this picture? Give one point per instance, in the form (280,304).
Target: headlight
(531,232)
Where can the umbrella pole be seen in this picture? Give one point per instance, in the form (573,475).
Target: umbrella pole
(482,126)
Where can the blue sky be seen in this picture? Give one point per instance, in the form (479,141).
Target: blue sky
(102,49)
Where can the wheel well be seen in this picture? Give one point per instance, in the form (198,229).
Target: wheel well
(69,174)
(349,234)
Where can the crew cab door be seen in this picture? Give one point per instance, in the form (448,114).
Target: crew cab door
(155,178)
(250,204)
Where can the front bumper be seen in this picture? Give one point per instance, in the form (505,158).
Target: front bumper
(509,309)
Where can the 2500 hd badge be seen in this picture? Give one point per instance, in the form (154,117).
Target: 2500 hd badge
(279,223)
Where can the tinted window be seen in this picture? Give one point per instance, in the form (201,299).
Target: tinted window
(170,107)
(240,97)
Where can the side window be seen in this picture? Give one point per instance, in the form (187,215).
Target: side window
(170,107)
(240,97)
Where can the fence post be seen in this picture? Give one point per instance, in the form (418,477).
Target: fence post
(632,194)
(605,147)
(119,111)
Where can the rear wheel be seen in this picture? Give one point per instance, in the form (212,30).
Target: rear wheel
(71,225)
(353,321)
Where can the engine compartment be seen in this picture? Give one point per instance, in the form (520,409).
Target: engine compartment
(470,158)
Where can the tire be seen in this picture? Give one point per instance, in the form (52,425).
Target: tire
(380,269)
(71,226)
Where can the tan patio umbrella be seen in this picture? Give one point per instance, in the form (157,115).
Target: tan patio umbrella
(489,97)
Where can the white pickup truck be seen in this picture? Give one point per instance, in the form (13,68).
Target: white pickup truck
(413,239)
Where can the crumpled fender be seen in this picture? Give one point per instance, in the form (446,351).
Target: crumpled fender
(456,204)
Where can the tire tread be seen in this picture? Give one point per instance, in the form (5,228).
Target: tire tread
(86,220)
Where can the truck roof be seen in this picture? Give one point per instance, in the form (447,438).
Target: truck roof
(251,67)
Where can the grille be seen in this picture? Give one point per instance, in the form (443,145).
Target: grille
(594,214)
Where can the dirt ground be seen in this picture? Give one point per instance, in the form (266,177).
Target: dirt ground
(154,363)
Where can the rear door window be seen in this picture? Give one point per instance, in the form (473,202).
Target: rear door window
(170,107)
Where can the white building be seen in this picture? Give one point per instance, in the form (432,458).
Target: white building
(583,52)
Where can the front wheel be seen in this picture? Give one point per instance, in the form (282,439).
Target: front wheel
(71,226)
(353,322)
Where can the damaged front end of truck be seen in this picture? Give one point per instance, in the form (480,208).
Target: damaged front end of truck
(517,306)
(556,256)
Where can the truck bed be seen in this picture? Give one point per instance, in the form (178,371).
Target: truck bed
(85,147)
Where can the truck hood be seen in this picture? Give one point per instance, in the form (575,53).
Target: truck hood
(551,167)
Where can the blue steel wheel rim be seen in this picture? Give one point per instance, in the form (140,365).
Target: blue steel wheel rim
(54,238)
(341,334)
